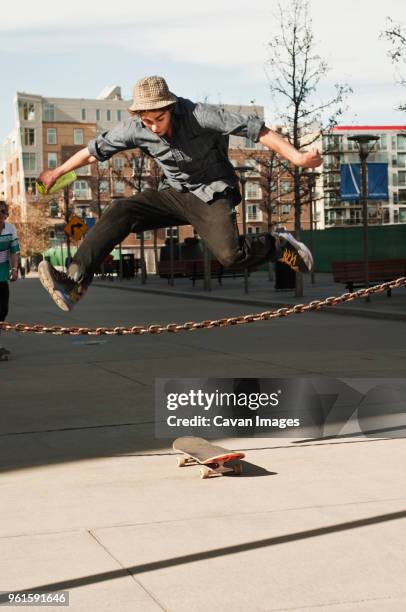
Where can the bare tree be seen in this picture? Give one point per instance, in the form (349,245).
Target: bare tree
(295,71)
(33,234)
(137,161)
(154,179)
(101,176)
(395,34)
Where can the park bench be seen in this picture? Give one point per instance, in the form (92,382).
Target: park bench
(352,273)
(194,269)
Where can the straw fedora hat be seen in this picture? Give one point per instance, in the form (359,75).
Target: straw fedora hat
(151,93)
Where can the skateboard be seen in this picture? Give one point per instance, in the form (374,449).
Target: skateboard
(4,354)
(212,458)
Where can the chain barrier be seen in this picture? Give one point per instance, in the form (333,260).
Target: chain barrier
(139,330)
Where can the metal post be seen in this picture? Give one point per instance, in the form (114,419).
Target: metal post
(312,176)
(66,202)
(364,196)
(365,143)
(120,263)
(171,257)
(207,268)
(143,264)
(243,179)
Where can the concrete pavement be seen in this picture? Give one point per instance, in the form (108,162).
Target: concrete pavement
(93,503)
(262,292)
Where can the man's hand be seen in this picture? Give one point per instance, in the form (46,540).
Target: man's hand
(310,159)
(13,275)
(48,178)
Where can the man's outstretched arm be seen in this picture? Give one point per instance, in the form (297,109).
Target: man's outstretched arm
(272,140)
(79,159)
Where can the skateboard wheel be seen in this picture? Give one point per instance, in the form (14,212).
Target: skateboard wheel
(238,468)
(204,472)
(181,461)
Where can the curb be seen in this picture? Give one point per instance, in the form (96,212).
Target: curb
(341,310)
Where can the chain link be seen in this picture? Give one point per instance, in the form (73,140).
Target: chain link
(139,330)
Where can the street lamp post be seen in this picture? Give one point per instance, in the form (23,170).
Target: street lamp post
(67,216)
(242,170)
(365,145)
(312,177)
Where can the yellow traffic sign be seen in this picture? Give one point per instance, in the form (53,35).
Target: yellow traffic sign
(76,228)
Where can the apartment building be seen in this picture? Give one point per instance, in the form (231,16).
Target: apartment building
(390,149)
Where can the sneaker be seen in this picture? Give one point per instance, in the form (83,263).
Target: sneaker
(64,291)
(294,253)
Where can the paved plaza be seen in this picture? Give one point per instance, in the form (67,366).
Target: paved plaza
(94,504)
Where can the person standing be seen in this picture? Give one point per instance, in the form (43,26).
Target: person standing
(9,257)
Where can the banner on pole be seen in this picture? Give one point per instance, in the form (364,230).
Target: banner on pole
(350,189)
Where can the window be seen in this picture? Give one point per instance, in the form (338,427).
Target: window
(27,111)
(49,112)
(78,136)
(333,142)
(286,186)
(402,195)
(118,163)
(103,165)
(82,190)
(401,179)
(401,160)
(253,191)
(285,209)
(53,209)
(402,215)
(139,185)
(119,115)
(249,144)
(253,164)
(28,137)
(395,179)
(108,115)
(147,235)
(401,142)
(83,114)
(253,213)
(84,171)
(119,186)
(30,185)
(51,136)
(171,231)
(104,186)
(52,160)
(98,114)
(382,143)
(29,162)
(355,216)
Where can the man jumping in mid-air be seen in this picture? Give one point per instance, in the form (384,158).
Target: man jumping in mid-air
(189,141)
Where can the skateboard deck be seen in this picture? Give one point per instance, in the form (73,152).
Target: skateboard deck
(211,457)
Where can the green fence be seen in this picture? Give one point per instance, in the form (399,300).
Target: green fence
(347,244)
(335,244)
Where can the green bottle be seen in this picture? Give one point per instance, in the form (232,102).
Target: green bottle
(63,181)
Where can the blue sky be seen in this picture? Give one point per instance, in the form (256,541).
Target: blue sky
(214,50)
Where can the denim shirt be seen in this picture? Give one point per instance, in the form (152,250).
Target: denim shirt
(195,159)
